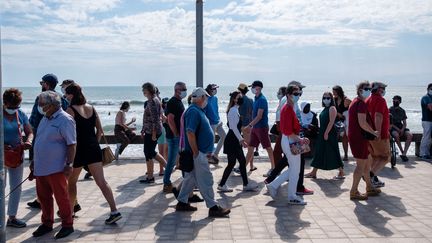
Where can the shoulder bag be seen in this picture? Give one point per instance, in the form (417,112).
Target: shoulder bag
(14,156)
(107,154)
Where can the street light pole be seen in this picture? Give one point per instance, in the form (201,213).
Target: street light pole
(199,44)
(2,169)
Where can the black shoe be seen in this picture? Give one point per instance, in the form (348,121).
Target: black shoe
(195,199)
(185,207)
(64,231)
(16,223)
(175,192)
(41,230)
(218,211)
(404,158)
(256,153)
(148,181)
(77,208)
(34,204)
(113,218)
(87,176)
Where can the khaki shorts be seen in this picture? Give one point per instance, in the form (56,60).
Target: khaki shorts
(380,149)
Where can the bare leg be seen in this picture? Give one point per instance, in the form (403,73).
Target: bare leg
(366,173)
(249,156)
(397,140)
(150,165)
(72,186)
(409,137)
(345,145)
(270,154)
(97,171)
(313,172)
(357,174)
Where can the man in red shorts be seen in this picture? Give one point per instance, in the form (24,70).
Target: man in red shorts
(379,148)
(259,125)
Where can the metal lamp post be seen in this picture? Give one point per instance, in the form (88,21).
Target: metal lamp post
(199,44)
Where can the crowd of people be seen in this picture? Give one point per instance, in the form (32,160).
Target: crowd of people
(63,134)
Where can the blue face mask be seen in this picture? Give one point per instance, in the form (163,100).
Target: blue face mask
(10,111)
(296,98)
(365,93)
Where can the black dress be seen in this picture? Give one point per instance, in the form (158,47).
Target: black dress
(88,150)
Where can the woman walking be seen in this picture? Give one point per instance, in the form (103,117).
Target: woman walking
(360,124)
(15,122)
(342,103)
(122,130)
(151,130)
(88,152)
(233,145)
(290,129)
(327,156)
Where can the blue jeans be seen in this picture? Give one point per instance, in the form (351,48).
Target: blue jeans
(173,149)
(15,178)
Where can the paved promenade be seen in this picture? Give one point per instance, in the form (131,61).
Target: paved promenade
(402,213)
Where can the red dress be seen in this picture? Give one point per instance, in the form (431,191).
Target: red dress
(358,144)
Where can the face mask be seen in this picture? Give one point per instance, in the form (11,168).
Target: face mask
(383,93)
(365,93)
(40,109)
(44,89)
(296,98)
(240,101)
(63,90)
(254,91)
(214,92)
(205,103)
(396,104)
(279,96)
(326,102)
(10,111)
(430,92)
(183,94)
(306,110)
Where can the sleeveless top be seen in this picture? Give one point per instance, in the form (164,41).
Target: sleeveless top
(340,108)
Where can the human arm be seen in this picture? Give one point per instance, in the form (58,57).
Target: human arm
(332,118)
(29,134)
(362,119)
(233,119)
(99,129)
(193,143)
(257,118)
(378,122)
(172,125)
(70,157)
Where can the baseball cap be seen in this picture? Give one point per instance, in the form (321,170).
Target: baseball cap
(242,86)
(296,83)
(376,85)
(256,83)
(67,82)
(50,78)
(212,86)
(198,92)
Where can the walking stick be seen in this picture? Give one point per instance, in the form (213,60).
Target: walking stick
(17,187)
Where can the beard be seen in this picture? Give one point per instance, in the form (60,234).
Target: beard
(44,89)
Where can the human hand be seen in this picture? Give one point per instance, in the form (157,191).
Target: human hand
(27,145)
(325,136)
(133,119)
(243,143)
(154,138)
(67,170)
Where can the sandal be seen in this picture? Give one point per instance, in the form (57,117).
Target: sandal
(373,192)
(309,175)
(253,169)
(338,177)
(358,196)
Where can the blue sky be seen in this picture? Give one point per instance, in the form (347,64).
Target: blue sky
(127,42)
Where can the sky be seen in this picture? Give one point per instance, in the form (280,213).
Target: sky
(128,42)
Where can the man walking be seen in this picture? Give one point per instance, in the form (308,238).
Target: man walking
(54,148)
(212,113)
(426,105)
(174,112)
(199,139)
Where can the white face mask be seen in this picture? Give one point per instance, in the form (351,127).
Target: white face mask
(10,111)
(183,94)
(214,92)
(279,96)
(40,109)
(63,90)
(430,92)
(254,91)
(326,102)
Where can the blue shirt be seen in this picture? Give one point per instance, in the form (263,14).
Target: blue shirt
(50,146)
(197,122)
(426,113)
(11,135)
(36,117)
(261,103)
(245,111)
(212,110)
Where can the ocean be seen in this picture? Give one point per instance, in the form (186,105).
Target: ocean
(107,101)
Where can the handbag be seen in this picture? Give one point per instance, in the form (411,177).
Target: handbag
(298,148)
(274,130)
(14,156)
(339,126)
(107,154)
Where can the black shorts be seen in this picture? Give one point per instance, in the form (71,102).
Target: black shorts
(150,146)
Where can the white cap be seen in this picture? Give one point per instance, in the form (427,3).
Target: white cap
(198,92)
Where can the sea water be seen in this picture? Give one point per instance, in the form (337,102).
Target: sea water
(107,101)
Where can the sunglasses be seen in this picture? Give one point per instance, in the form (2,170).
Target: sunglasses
(296,94)
(326,98)
(367,89)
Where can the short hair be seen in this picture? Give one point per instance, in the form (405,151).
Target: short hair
(430,86)
(283,90)
(78,97)
(361,86)
(12,97)
(50,98)
(332,101)
(124,105)
(179,84)
(291,88)
(149,87)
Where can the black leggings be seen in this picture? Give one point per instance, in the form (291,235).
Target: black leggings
(150,146)
(236,154)
(281,164)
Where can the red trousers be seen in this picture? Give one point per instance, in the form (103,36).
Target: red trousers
(55,184)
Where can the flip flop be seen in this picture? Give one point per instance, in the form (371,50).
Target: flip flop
(338,177)
(309,175)
(253,169)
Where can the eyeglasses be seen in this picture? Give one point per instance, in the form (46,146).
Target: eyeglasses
(41,82)
(367,89)
(326,98)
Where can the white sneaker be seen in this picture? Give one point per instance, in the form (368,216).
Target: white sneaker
(272,191)
(297,201)
(224,188)
(251,187)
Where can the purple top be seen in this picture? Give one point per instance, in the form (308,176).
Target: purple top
(50,146)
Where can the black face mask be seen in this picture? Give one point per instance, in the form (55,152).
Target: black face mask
(240,101)
(306,109)
(396,104)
